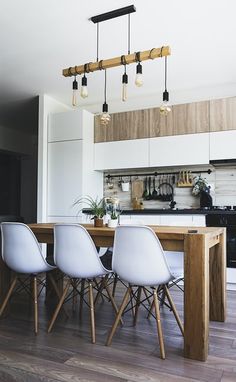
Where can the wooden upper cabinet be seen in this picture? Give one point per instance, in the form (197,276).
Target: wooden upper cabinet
(223,114)
(190,118)
(123,126)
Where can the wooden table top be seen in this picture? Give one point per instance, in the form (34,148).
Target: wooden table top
(164,232)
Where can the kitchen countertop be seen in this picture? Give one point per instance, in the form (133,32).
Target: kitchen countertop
(168,211)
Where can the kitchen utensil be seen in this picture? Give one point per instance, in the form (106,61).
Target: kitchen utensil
(154,192)
(149,196)
(137,189)
(145,192)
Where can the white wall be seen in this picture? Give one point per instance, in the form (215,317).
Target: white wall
(47,105)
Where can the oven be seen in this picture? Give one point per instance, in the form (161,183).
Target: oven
(229,221)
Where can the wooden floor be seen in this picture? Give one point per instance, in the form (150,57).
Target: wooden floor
(67,354)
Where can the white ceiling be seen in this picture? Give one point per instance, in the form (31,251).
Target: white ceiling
(38,38)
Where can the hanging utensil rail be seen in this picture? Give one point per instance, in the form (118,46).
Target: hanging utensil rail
(109,176)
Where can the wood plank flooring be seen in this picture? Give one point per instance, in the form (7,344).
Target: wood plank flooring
(67,354)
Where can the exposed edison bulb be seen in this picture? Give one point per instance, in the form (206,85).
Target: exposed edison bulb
(105,116)
(139,76)
(124,87)
(84,87)
(74,92)
(105,119)
(165,108)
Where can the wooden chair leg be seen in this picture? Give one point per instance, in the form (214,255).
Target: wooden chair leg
(9,293)
(114,285)
(62,299)
(147,297)
(92,317)
(81,302)
(111,298)
(118,317)
(137,305)
(54,285)
(174,309)
(35,295)
(163,296)
(150,309)
(159,328)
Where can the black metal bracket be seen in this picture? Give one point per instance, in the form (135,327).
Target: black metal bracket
(113,14)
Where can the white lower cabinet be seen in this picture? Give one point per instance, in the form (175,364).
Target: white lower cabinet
(169,220)
(179,150)
(222,145)
(132,153)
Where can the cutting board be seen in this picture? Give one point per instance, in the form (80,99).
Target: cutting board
(137,189)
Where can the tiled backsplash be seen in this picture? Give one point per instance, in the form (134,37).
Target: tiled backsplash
(222,181)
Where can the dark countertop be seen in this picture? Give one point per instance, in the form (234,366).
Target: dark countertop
(167,211)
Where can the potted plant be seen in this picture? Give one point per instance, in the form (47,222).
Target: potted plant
(201,188)
(96,206)
(113,221)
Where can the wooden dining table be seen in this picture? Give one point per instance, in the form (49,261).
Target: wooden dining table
(204,274)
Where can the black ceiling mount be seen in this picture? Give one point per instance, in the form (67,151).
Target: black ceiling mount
(112,14)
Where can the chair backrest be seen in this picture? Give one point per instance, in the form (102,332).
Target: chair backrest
(75,252)
(138,257)
(20,248)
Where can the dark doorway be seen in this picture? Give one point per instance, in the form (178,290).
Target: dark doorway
(10,184)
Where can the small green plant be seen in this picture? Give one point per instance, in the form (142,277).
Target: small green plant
(199,184)
(96,206)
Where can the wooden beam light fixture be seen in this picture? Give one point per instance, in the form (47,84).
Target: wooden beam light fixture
(129,58)
(116,61)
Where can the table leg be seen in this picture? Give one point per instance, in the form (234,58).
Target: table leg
(217,263)
(196,297)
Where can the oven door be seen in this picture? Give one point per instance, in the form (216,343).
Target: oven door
(231,247)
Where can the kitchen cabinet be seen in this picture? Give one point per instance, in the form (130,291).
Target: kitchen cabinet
(64,176)
(123,126)
(121,154)
(65,126)
(222,145)
(223,114)
(168,219)
(189,118)
(70,164)
(190,149)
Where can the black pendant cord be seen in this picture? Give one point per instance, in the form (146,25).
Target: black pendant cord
(165,73)
(97,42)
(129,33)
(105,87)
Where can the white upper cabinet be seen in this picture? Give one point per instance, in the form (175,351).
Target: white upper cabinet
(178,150)
(223,145)
(132,153)
(65,126)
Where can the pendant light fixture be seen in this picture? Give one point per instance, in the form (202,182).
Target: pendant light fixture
(165,108)
(74,92)
(105,116)
(139,71)
(124,60)
(84,83)
(124,80)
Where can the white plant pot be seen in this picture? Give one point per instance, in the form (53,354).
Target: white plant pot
(112,223)
(125,186)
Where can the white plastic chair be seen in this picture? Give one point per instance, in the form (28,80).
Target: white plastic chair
(139,260)
(22,253)
(75,255)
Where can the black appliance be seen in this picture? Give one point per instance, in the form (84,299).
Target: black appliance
(225,219)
